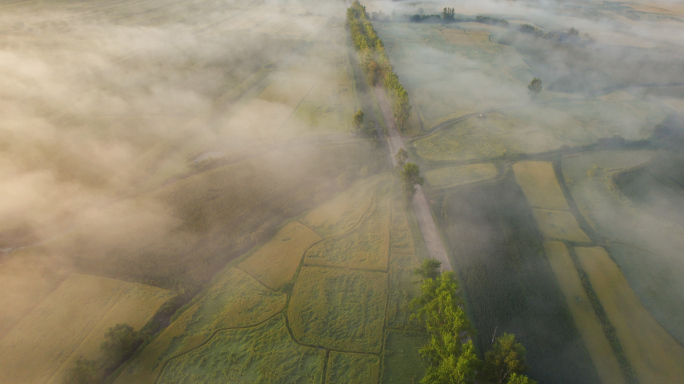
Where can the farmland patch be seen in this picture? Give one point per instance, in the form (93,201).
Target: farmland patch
(448,177)
(401,361)
(349,368)
(559,225)
(539,184)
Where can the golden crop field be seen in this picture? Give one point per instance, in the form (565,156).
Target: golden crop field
(339,309)
(347,368)
(654,355)
(585,318)
(364,247)
(559,225)
(276,262)
(539,184)
(73,319)
(448,177)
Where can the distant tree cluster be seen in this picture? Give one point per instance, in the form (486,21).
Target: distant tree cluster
(491,21)
(535,86)
(375,61)
(571,36)
(448,14)
(410,176)
(450,352)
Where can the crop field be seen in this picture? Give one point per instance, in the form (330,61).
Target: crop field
(643,241)
(538,182)
(655,356)
(234,300)
(365,247)
(348,368)
(559,225)
(339,309)
(276,262)
(448,177)
(262,354)
(400,360)
(588,325)
(498,251)
(73,319)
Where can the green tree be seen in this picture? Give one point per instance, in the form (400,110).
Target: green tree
(82,372)
(429,269)
(358,119)
(504,359)
(410,176)
(120,342)
(535,86)
(520,379)
(401,156)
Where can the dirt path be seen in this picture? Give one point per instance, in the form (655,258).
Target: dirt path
(421,207)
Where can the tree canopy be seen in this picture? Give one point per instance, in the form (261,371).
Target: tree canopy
(535,86)
(410,176)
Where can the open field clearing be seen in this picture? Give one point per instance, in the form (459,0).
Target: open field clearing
(583,314)
(365,247)
(605,36)
(645,236)
(655,356)
(538,181)
(342,213)
(677,105)
(401,361)
(276,262)
(449,177)
(263,354)
(508,282)
(234,300)
(559,225)
(349,368)
(82,308)
(339,309)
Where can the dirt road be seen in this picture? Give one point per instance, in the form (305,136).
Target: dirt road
(421,208)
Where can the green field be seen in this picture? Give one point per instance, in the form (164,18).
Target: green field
(348,368)
(400,361)
(448,177)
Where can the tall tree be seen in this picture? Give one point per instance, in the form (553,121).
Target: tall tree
(535,86)
(401,156)
(410,176)
(504,359)
(358,119)
(120,342)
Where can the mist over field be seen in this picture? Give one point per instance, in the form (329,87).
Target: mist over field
(162,143)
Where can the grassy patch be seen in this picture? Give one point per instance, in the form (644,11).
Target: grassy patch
(539,184)
(338,309)
(264,354)
(560,225)
(350,368)
(276,262)
(401,361)
(588,324)
(448,177)
(654,355)
(365,247)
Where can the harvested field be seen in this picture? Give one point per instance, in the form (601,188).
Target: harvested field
(588,325)
(539,184)
(276,262)
(448,177)
(339,309)
(351,368)
(508,282)
(457,36)
(559,225)
(655,356)
(265,353)
(400,361)
(365,247)
(34,352)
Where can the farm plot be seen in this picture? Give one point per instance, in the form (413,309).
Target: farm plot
(349,368)
(276,262)
(538,182)
(559,225)
(655,356)
(82,308)
(448,177)
(263,354)
(233,300)
(588,325)
(365,247)
(339,309)
(401,361)
(644,242)
(508,281)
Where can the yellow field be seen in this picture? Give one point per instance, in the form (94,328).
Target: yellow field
(587,323)
(365,247)
(559,225)
(234,299)
(72,319)
(457,36)
(538,181)
(349,368)
(654,355)
(276,262)
(618,96)
(452,176)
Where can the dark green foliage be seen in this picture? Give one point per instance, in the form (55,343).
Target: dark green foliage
(535,86)
(410,177)
(429,269)
(83,371)
(531,29)
(505,359)
(358,119)
(120,343)
(520,379)
(448,14)
(401,156)
(491,21)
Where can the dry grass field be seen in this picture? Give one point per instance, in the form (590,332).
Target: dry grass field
(655,356)
(73,320)
(276,262)
(448,177)
(579,305)
(559,225)
(539,184)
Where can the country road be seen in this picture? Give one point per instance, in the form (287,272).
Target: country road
(421,207)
